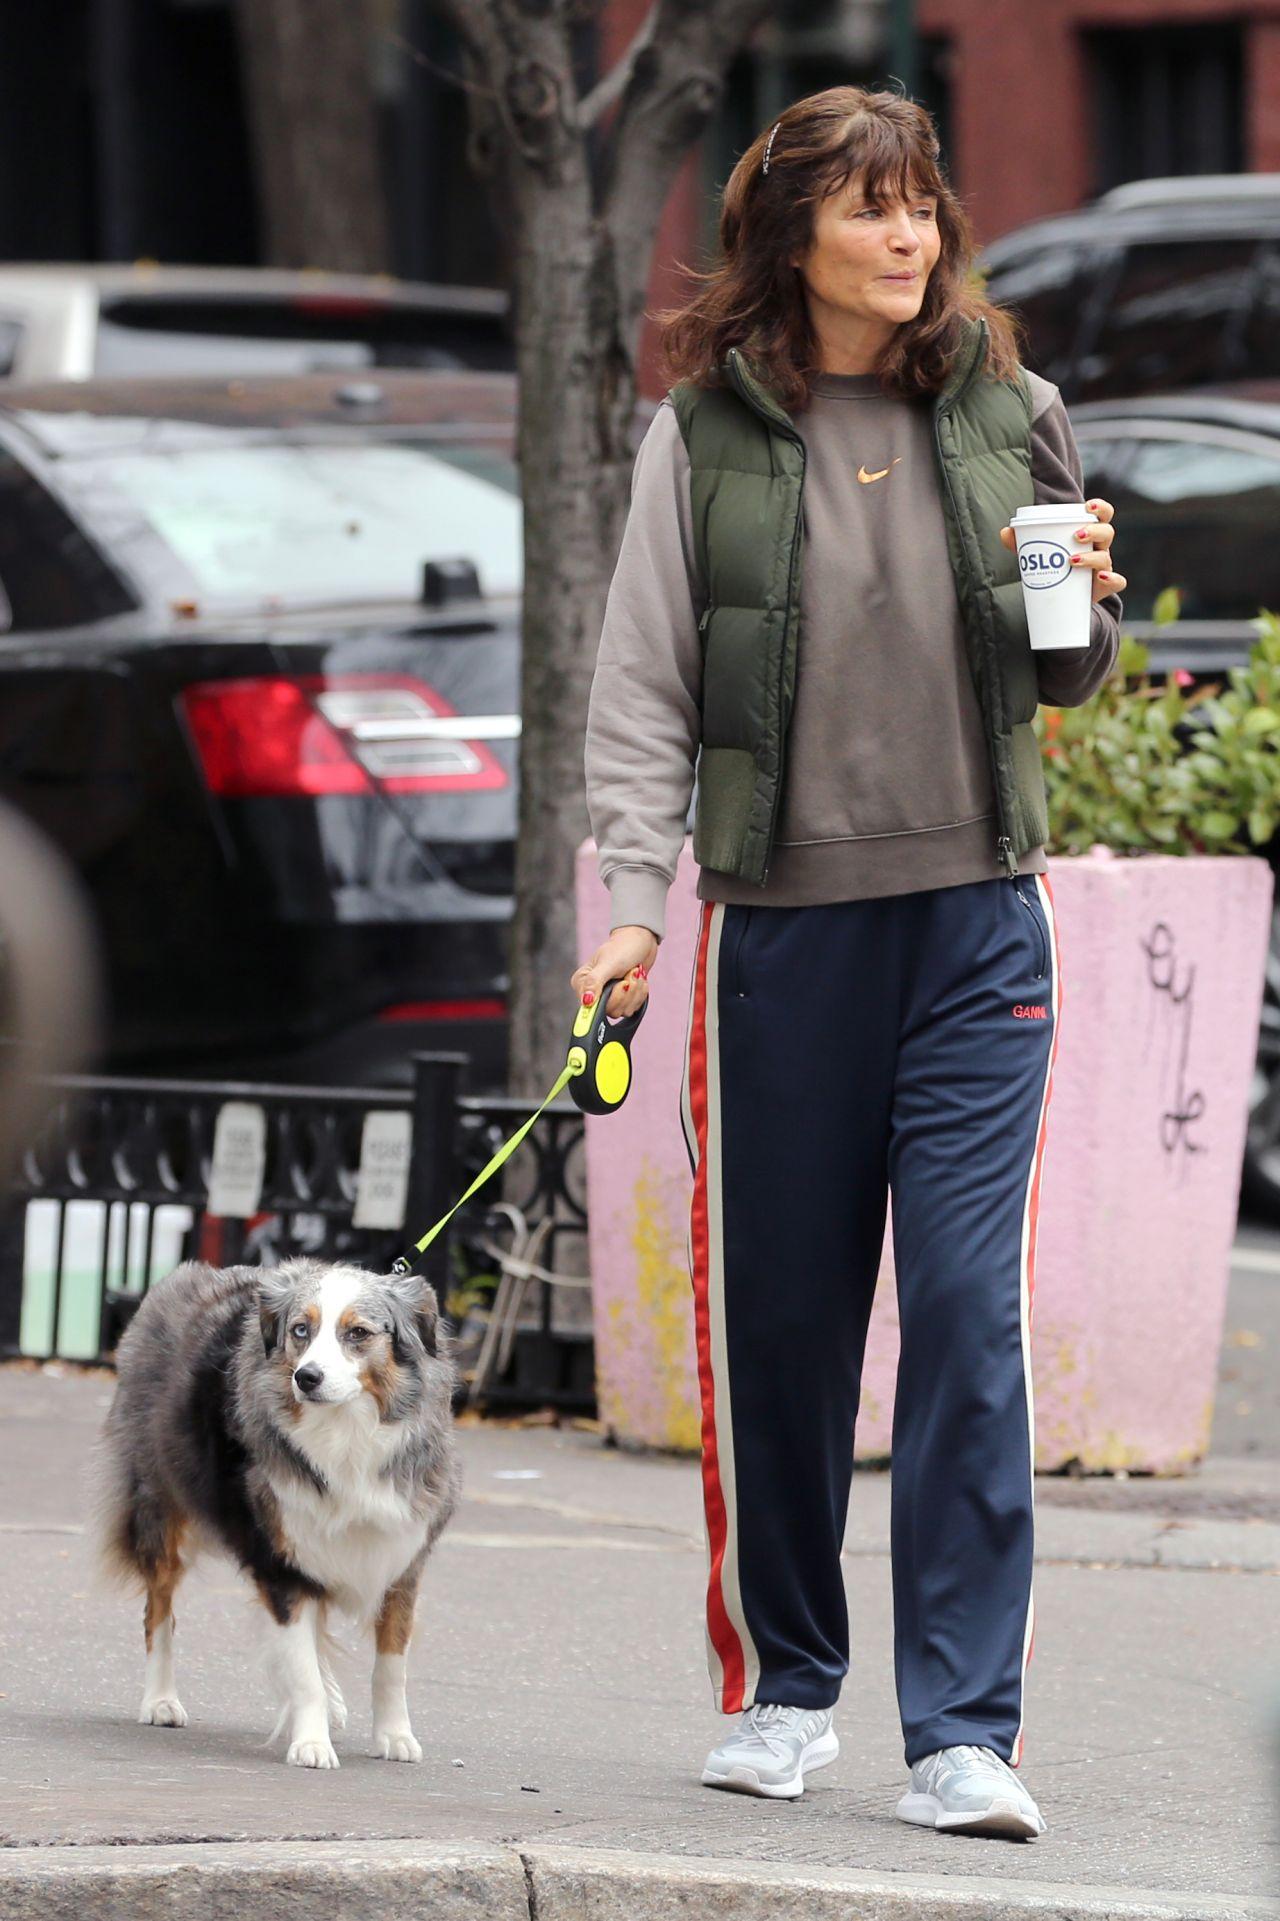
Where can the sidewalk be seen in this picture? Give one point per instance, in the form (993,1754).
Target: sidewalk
(559,1692)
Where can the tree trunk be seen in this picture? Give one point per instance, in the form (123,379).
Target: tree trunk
(576,397)
(582,249)
(307,67)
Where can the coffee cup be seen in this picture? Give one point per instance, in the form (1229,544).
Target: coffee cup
(1058,596)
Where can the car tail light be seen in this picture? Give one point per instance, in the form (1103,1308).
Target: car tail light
(264,736)
(486,1008)
(340,734)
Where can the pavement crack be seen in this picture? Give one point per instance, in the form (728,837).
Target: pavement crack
(530,1887)
(572,1511)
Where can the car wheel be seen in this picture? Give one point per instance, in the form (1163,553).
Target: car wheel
(1260,1183)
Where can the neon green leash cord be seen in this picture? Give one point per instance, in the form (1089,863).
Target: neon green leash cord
(598,1076)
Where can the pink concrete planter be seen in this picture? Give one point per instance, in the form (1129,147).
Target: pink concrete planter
(1161,980)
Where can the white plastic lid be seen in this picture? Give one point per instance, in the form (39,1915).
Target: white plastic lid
(1058,510)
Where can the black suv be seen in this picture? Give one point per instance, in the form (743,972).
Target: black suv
(259,681)
(1156,312)
(1158,285)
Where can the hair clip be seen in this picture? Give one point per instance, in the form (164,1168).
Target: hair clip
(768,147)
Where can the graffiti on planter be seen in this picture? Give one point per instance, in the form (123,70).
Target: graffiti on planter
(1174,1002)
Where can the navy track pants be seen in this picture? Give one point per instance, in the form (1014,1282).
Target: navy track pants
(837,1054)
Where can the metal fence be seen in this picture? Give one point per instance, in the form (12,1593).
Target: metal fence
(115,1190)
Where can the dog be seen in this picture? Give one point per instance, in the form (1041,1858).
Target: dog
(298,1419)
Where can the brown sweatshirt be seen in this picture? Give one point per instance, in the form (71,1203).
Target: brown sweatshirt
(888,786)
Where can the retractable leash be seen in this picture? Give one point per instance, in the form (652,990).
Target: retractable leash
(597,1074)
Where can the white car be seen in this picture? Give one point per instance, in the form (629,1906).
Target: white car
(77,322)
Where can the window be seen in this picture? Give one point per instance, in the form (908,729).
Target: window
(1166,100)
(1173,318)
(1258,353)
(299,522)
(1198,511)
(1047,290)
(302,333)
(1103,462)
(52,576)
(10,340)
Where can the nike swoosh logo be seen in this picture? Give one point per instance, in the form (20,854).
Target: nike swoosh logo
(864,476)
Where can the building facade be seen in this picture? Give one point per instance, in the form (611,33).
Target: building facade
(1092,93)
(124,132)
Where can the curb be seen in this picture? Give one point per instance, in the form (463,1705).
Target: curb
(412,1880)
(577,1884)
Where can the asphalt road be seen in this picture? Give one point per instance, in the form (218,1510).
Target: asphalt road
(558,1687)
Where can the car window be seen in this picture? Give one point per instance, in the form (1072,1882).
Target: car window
(1259,353)
(303,333)
(298,522)
(1046,289)
(10,340)
(121,350)
(1172,319)
(52,574)
(1102,461)
(1199,514)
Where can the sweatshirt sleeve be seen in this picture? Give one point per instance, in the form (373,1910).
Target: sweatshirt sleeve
(1070,677)
(644,711)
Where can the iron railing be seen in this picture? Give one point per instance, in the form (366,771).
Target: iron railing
(113,1190)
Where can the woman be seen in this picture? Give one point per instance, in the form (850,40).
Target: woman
(818,600)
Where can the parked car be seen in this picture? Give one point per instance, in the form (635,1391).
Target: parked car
(91,321)
(1159,284)
(259,677)
(1195,481)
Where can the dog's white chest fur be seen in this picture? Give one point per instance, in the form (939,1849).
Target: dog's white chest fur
(357,1537)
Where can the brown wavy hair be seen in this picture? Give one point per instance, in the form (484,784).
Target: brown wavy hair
(755,300)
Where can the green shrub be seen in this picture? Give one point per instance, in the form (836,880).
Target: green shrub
(1172,768)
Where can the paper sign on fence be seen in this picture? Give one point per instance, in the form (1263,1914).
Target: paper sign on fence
(382,1182)
(239,1160)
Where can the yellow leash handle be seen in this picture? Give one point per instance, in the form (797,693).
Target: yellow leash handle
(600,1054)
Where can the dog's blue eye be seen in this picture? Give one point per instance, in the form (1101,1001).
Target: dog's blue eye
(300,1330)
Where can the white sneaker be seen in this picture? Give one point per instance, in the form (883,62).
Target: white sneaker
(771,1750)
(970,1788)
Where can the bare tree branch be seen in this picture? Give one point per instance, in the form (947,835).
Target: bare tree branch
(616,81)
(675,83)
(419,59)
(580,253)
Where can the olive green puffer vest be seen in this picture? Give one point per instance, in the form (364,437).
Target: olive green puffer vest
(748,460)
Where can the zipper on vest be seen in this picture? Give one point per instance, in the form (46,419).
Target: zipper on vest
(782,665)
(1005,856)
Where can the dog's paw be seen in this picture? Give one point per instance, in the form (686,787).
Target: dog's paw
(162,1711)
(312,1754)
(397,1744)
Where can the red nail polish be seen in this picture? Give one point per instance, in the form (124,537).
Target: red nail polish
(587,999)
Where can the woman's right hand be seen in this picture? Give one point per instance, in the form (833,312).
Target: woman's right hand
(626,949)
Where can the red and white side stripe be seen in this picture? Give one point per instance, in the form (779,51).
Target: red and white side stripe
(1027,1268)
(734,1663)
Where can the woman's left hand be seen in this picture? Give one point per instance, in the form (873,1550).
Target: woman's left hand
(1094,544)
